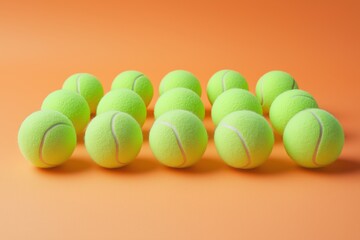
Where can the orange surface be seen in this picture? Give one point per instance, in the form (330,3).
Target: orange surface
(42,43)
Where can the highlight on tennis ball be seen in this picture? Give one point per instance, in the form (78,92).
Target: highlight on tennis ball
(178,139)
(244,139)
(113,139)
(313,138)
(123,100)
(135,81)
(180,78)
(179,98)
(86,85)
(224,80)
(232,100)
(72,105)
(271,85)
(47,138)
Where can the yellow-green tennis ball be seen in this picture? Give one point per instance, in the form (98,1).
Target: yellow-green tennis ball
(178,139)
(232,100)
(47,138)
(124,100)
(137,82)
(87,86)
(244,139)
(224,80)
(271,85)
(180,98)
(72,105)
(113,139)
(313,138)
(286,105)
(180,78)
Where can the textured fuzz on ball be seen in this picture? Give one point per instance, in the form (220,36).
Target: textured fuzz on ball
(224,80)
(72,105)
(87,86)
(113,139)
(180,98)
(137,82)
(286,105)
(271,85)
(313,138)
(124,100)
(47,138)
(244,139)
(232,100)
(178,139)
(180,78)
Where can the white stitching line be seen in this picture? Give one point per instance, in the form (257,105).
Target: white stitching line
(223,80)
(78,83)
(133,85)
(319,139)
(43,142)
(112,126)
(177,140)
(242,142)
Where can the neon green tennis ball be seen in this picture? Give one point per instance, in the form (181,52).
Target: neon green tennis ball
(87,86)
(232,100)
(313,138)
(286,105)
(71,105)
(178,139)
(137,82)
(244,139)
(180,98)
(180,78)
(124,100)
(271,85)
(47,138)
(224,80)
(113,139)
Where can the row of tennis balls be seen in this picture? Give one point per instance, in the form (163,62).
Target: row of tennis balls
(186,79)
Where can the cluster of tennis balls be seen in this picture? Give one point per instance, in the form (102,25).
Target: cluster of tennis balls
(178,137)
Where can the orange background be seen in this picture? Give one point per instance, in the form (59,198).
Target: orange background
(43,42)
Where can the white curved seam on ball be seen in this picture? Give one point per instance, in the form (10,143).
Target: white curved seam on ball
(133,85)
(43,142)
(78,83)
(112,126)
(242,142)
(223,80)
(319,139)
(177,137)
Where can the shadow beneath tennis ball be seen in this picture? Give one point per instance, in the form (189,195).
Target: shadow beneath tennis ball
(72,166)
(278,138)
(204,166)
(207,113)
(350,136)
(145,133)
(150,114)
(270,167)
(80,138)
(340,166)
(138,166)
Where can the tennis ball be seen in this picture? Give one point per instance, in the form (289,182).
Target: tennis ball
(271,85)
(224,80)
(244,139)
(87,86)
(47,138)
(313,138)
(72,105)
(180,78)
(232,100)
(113,139)
(123,100)
(180,98)
(137,82)
(178,139)
(286,105)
